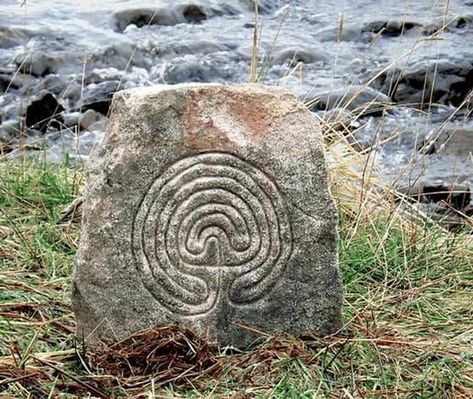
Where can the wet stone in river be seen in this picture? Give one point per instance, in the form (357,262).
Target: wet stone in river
(207,206)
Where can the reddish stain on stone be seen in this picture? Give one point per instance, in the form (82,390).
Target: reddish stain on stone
(201,132)
(253,115)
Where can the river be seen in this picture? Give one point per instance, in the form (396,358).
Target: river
(416,57)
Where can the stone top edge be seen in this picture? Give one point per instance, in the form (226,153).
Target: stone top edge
(156,89)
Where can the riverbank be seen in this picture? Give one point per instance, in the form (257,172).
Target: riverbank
(395,78)
(407,311)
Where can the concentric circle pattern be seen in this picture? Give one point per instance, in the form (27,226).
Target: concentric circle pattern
(211,228)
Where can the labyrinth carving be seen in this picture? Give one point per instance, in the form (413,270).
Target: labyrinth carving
(211,228)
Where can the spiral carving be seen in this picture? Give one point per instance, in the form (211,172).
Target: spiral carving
(212,227)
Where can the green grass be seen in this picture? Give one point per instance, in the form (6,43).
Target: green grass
(408,312)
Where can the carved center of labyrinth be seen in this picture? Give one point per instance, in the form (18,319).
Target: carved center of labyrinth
(212,227)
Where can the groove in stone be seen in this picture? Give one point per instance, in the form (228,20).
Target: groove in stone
(207,215)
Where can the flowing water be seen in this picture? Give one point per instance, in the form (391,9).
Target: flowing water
(86,48)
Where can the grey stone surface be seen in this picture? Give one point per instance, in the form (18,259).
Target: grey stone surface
(207,206)
(87,119)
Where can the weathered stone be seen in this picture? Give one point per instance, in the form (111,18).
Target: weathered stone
(207,206)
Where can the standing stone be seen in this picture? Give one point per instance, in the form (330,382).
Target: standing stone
(207,206)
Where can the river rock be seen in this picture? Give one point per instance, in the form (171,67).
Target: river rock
(9,130)
(349,33)
(87,119)
(71,119)
(201,47)
(207,206)
(439,25)
(193,13)
(369,31)
(358,99)
(36,64)
(143,16)
(456,196)
(172,15)
(8,106)
(195,68)
(54,84)
(44,112)
(99,96)
(5,82)
(390,28)
(458,143)
(424,82)
(11,37)
(293,56)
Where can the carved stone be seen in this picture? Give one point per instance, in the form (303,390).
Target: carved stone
(207,206)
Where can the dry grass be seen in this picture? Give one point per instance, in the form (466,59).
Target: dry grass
(408,318)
